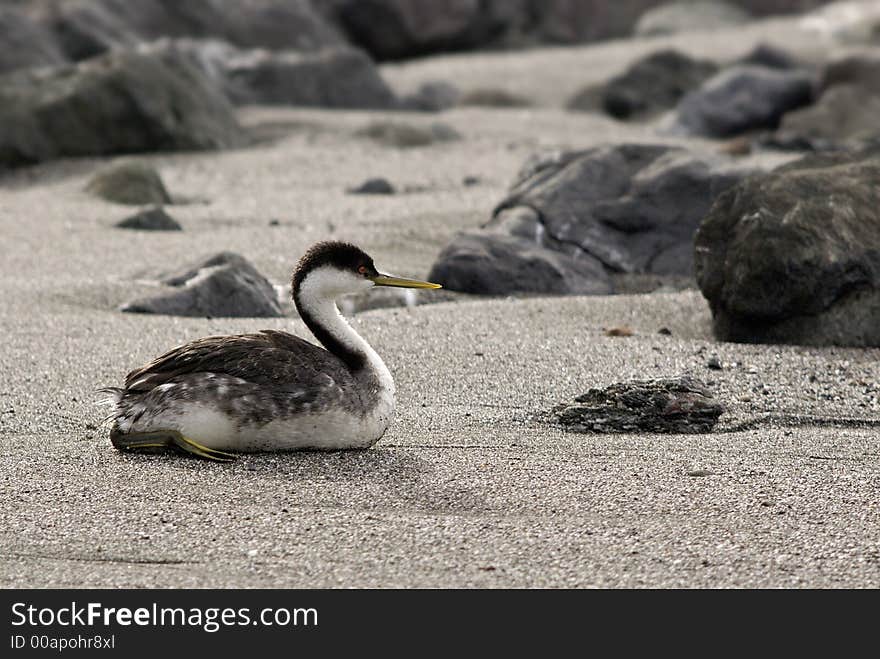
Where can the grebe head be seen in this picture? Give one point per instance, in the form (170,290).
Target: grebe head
(333,269)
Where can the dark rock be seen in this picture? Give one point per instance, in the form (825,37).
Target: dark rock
(844,113)
(120,103)
(433,96)
(567,22)
(403,135)
(373,186)
(180,277)
(493,98)
(793,256)
(689,16)
(631,208)
(25,44)
(150,219)
(225,285)
(275,25)
(338,78)
(862,70)
(652,85)
(86,28)
(499,264)
(398,29)
(714,363)
(743,98)
(674,405)
(470,181)
(129,183)
(335,78)
(769,56)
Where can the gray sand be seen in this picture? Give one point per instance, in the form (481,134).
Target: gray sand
(469,487)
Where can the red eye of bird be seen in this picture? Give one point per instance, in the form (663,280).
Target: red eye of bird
(362,269)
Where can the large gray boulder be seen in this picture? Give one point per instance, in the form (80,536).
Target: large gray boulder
(25,44)
(688,16)
(793,256)
(631,208)
(223,285)
(501,264)
(117,103)
(397,29)
(743,98)
(650,85)
(844,113)
(337,78)
(333,77)
(86,28)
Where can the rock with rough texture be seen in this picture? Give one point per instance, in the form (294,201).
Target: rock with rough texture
(181,276)
(682,405)
(793,256)
(120,103)
(689,16)
(631,208)
(129,182)
(373,186)
(150,219)
(652,84)
(844,113)
(743,98)
(405,135)
(86,28)
(499,264)
(25,44)
(225,285)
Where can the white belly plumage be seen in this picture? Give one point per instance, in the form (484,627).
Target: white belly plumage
(331,429)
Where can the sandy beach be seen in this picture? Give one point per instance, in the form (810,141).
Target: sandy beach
(471,486)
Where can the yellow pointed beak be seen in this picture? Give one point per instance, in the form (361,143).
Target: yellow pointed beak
(385,280)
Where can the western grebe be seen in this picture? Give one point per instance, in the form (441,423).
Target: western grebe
(270,390)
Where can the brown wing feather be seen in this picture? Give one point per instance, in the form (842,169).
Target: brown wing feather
(269,357)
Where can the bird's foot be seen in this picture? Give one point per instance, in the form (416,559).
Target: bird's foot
(142,441)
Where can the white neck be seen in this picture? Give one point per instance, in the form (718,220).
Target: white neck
(316,302)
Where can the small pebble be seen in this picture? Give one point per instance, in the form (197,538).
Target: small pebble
(373,186)
(714,363)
